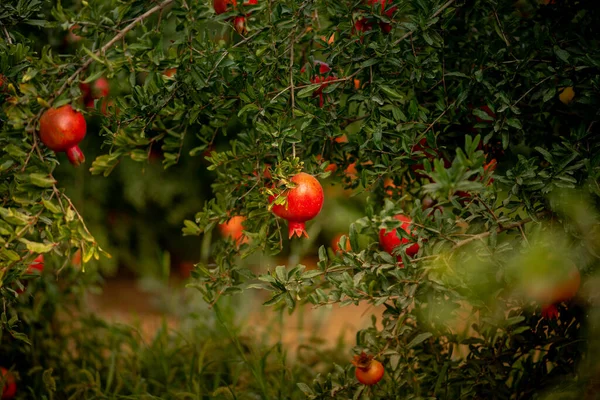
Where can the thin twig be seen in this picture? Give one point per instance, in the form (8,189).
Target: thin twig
(435,14)
(8,39)
(529,91)
(499,230)
(110,43)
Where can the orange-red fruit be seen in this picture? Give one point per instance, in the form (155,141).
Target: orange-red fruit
(36,265)
(10,387)
(61,129)
(170,72)
(324,68)
(385,27)
(390,240)
(335,243)
(98,89)
(234,229)
(221,6)
(368,371)
(560,290)
(304,202)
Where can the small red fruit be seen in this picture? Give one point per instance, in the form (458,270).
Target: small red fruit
(36,265)
(61,129)
(324,68)
(221,6)
(239,23)
(335,243)
(98,89)
(304,202)
(368,371)
(76,259)
(170,72)
(8,381)
(385,27)
(234,229)
(549,291)
(71,37)
(390,240)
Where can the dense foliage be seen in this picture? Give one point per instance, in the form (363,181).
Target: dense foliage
(478,119)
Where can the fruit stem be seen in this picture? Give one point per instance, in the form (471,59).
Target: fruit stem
(297,228)
(75,155)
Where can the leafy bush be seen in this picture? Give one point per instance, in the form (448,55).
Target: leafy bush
(478,119)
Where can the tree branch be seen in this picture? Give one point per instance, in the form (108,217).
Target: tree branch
(110,43)
(499,230)
(435,14)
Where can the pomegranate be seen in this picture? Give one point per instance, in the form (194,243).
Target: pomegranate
(368,371)
(239,23)
(390,240)
(170,72)
(36,265)
(304,202)
(554,288)
(335,243)
(61,129)
(385,27)
(324,68)
(234,229)
(8,380)
(97,90)
(221,6)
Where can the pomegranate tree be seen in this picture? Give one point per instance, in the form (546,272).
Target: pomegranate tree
(303,202)
(61,129)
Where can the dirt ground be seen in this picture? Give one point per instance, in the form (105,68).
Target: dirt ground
(122,300)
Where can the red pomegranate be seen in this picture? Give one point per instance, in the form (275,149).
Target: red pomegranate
(385,27)
(10,387)
(36,265)
(234,229)
(390,240)
(221,6)
(320,77)
(304,202)
(61,129)
(98,89)
(335,243)
(239,23)
(554,288)
(170,72)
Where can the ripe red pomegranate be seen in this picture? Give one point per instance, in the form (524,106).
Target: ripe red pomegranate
(335,243)
(364,24)
(390,240)
(554,289)
(99,88)
(234,229)
(221,6)
(10,387)
(170,72)
(36,265)
(368,370)
(324,69)
(304,202)
(239,23)
(385,27)
(61,129)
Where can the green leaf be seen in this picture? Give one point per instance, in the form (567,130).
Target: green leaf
(38,248)
(41,180)
(419,339)
(307,91)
